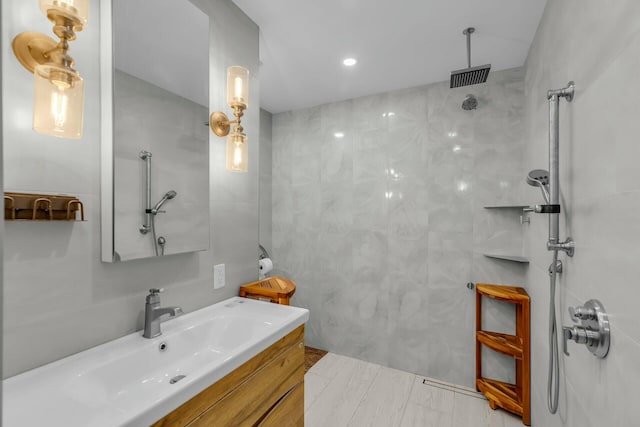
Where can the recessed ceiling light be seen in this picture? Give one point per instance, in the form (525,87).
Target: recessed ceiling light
(339,134)
(350,62)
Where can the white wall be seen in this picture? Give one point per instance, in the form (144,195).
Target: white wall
(598,46)
(59,297)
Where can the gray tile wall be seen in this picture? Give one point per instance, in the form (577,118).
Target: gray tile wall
(382,228)
(265,179)
(600,183)
(58,297)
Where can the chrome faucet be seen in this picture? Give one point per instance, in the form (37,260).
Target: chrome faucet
(153,312)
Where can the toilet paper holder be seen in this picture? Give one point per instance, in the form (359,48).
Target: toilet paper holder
(265,265)
(263,252)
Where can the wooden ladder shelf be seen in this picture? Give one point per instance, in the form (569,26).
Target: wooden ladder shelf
(516,397)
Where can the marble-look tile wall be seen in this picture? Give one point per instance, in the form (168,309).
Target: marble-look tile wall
(378,216)
(600,188)
(172,131)
(59,298)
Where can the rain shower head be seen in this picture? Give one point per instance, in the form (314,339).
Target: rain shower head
(470,103)
(470,75)
(540,178)
(168,196)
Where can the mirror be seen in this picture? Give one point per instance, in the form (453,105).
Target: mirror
(155,138)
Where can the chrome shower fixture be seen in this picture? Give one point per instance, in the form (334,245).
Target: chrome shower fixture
(159,241)
(553,208)
(540,178)
(550,187)
(146,158)
(470,103)
(149,225)
(470,75)
(168,196)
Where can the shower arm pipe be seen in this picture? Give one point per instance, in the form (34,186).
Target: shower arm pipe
(146,226)
(467,32)
(554,168)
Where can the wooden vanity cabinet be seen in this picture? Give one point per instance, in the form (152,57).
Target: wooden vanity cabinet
(268,390)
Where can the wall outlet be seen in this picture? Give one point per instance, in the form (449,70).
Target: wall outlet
(218,276)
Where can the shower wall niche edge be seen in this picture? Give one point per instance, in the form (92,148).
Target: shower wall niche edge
(519,258)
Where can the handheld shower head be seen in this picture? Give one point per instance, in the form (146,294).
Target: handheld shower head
(168,196)
(540,178)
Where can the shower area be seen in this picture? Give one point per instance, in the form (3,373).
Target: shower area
(160,171)
(382,214)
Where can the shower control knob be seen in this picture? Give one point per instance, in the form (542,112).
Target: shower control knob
(581,313)
(580,335)
(594,331)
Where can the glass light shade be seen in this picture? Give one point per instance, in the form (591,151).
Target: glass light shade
(58,102)
(238,86)
(78,9)
(237,152)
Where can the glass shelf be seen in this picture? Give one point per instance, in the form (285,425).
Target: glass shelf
(514,258)
(507,207)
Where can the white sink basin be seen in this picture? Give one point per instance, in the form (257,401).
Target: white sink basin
(131,381)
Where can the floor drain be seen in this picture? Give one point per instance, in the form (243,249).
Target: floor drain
(176,379)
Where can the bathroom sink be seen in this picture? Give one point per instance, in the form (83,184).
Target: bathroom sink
(134,381)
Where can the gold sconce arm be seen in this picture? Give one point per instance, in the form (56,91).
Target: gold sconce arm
(33,48)
(221,125)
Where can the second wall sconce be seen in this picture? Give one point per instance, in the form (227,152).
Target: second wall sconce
(58,87)
(238,100)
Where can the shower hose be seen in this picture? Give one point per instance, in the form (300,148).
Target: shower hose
(553,388)
(155,240)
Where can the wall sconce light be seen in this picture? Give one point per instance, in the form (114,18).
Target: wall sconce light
(58,88)
(238,100)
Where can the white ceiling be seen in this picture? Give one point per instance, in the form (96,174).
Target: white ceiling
(398,44)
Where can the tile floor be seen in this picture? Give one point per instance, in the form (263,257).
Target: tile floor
(342,391)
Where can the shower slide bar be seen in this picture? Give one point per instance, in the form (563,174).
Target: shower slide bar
(553,203)
(146,227)
(550,187)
